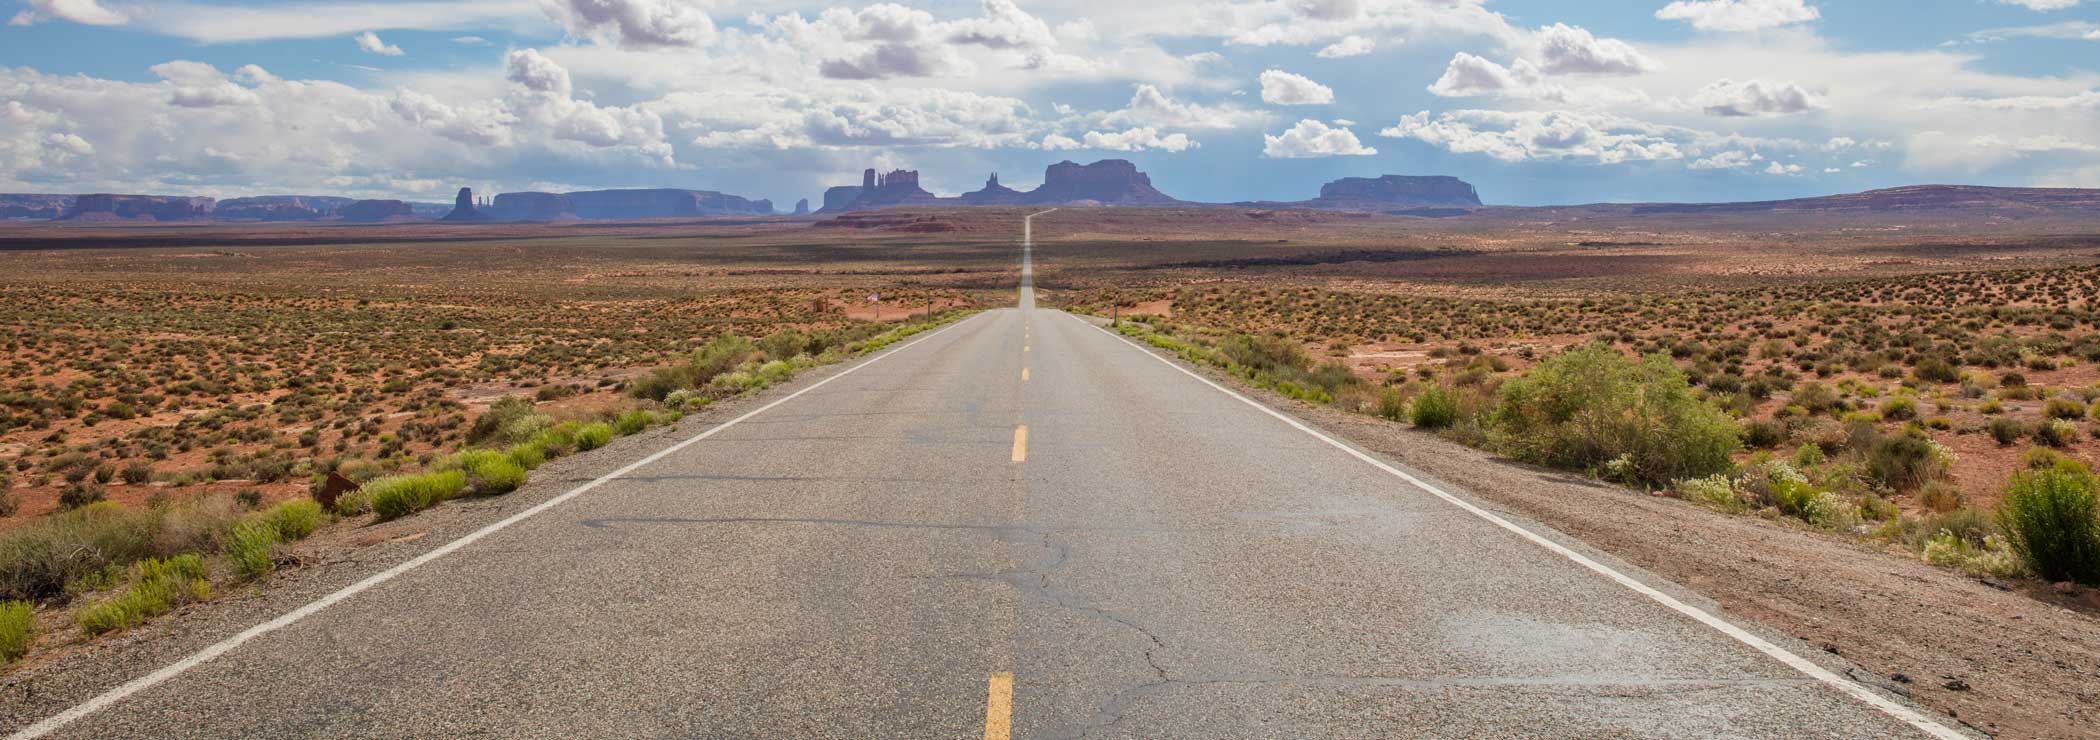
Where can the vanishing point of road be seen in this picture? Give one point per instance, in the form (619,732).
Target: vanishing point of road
(1019,526)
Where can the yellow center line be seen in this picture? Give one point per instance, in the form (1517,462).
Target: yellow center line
(1024,375)
(999,707)
(1021,443)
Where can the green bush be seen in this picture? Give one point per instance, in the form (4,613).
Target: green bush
(249,548)
(633,422)
(493,423)
(2006,431)
(2055,433)
(1392,404)
(593,436)
(401,495)
(2064,408)
(2051,520)
(294,520)
(154,587)
(1905,463)
(17,630)
(1899,408)
(528,455)
(1434,408)
(1590,405)
(490,472)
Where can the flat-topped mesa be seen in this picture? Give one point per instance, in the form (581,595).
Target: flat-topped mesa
(994,194)
(1401,190)
(533,207)
(376,211)
(599,205)
(802,207)
(279,208)
(107,207)
(35,205)
(1107,182)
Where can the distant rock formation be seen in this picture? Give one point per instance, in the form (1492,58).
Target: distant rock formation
(279,208)
(34,206)
(842,197)
(376,211)
(464,211)
(106,207)
(1107,182)
(994,194)
(599,205)
(1426,195)
(802,207)
(1921,198)
(533,207)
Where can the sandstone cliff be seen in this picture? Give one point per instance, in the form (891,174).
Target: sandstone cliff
(663,203)
(1114,182)
(34,206)
(279,208)
(376,211)
(994,194)
(106,207)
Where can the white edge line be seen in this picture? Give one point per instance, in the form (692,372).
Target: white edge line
(112,696)
(1852,688)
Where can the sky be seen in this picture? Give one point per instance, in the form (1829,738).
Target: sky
(1533,101)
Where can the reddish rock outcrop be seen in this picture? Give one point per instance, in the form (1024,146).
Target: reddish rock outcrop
(34,206)
(279,208)
(994,194)
(1114,182)
(107,207)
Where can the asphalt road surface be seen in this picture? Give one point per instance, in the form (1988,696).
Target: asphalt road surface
(1020,526)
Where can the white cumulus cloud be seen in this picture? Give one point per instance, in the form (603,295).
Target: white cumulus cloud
(369,42)
(1755,98)
(1283,88)
(1349,46)
(1738,15)
(1313,139)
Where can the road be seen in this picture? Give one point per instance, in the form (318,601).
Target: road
(1019,526)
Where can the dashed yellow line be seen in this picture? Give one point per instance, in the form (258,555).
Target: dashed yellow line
(1024,375)
(999,707)
(1021,443)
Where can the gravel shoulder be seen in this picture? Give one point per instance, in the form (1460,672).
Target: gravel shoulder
(2010,661)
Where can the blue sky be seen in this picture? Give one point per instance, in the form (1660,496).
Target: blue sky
(1533,101)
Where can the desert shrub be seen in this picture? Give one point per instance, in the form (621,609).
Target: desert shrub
(593,436)
(2063,408)
(1808,456)
(776,371)
(294,520)
(1764,434)
(2055,433)
(2006,431)
(1904,462)
(17,630)
(783,344)
(200,523)
(555,441)
(490,472)
(1899,408)
(1941,497)
(1263,353)
(137,473)
(1587,406)
(528,454)
(79,493)
(153,586)
(401,495)
(633,422)
(499,416)
(1816,397)
(1716,490)
(2050,518)
(1433,408)
(1993,557)
(249,548)
(39,558)
(1392,404)
(1936,370)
